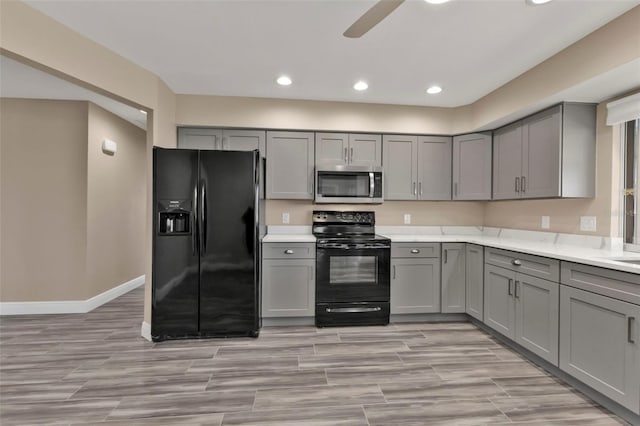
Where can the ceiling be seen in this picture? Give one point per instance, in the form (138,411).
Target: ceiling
(240,47)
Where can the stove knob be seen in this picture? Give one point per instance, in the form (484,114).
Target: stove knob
(357,217)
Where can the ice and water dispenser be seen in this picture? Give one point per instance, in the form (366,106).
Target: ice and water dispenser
(174,217)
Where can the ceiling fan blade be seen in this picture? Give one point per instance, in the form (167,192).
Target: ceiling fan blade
(372,17)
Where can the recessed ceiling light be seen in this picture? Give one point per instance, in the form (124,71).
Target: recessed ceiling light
(284,80)
(360,86)
(434,89)
(436,1)
(536,2)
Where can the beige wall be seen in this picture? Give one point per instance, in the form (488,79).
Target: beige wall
(116,202)
(43,190)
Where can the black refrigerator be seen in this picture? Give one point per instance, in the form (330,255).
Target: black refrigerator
(206,275)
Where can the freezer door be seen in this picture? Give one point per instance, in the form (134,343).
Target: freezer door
(175,256)
(228,276)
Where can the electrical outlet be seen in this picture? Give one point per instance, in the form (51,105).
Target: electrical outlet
(407,219)
(545,223)
(588,223)
(285,217)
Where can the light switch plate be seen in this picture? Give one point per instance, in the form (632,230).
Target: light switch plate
(285,218)
(545,222)
(407,219)
(588,223)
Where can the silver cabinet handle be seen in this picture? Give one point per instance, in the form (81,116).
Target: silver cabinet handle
(346,159)
(509,289)
(516,262)
(446,253)
(517,184)
(630,337)
(420,188)
(517,293)
(288,251)
(394,272)
(415,251)
(455,188)
(352,155)
(523,184)
(414,189)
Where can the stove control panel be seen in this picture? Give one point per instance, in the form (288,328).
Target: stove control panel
(355,217)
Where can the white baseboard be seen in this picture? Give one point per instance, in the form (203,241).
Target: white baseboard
(72,306)
(145,330)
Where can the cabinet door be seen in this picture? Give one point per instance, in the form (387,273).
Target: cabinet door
(472,167)
(199,138)
(243,140)
(290,165)
(453,277)
(600,345)
(542,144)
(400,162)
(475,281)
(288,288)
(537,316)
(332,149)
(365,150)
(507,162)
(499,307)
(434,168)
(415,286)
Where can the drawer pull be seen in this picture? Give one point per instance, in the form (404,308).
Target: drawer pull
(516,262)
(288,251)
(415,251)
(630,337)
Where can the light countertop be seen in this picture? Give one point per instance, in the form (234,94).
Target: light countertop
(590,250)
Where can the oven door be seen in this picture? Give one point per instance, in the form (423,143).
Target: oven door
(353,272)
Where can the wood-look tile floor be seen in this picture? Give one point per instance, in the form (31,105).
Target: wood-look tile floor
(96,369)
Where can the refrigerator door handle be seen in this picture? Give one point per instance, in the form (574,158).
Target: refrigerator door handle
(194,238)
(203,219)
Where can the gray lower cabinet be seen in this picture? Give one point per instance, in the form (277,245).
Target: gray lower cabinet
(474,278)
(290,165)
(221,139)
(599,344)
(288,280)
(415,278)
(453,278)
(523,307)
(472,167)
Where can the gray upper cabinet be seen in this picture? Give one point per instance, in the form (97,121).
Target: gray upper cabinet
(417,167)
(453,277)
(472,167)
(550,154)
(600,344)
(199,138)
(474,293)
(290,164)
(335,149)
(221,139)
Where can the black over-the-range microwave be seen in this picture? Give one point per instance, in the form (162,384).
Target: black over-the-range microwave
(349,184)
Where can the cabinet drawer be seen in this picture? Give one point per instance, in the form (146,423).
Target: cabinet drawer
(536,266)
(288,250)
(415,250)
(617,284)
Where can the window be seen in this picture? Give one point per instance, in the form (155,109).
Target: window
(630,196)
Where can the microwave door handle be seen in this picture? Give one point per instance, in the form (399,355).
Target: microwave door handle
(372,185)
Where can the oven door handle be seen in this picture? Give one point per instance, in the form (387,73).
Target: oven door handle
(372,185)
(354,310)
